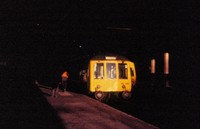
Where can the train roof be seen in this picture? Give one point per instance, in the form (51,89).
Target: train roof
(109,57)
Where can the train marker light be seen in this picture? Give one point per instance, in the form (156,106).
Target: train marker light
(99,95)
(124,87)
(98,87)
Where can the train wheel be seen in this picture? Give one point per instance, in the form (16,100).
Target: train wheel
(126,95)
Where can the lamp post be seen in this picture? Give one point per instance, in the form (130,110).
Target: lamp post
(166,69)
(153,71)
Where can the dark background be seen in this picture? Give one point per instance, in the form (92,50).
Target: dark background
(40,39)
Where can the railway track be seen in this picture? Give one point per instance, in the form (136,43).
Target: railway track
(164,108)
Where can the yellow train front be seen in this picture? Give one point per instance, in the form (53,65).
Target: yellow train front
(111,75)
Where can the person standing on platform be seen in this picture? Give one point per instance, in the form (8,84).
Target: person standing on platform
(64,77)
(55,86)
(55,90)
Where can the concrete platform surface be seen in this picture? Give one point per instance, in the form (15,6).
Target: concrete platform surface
(78,111)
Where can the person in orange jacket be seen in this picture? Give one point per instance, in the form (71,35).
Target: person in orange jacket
(64,77)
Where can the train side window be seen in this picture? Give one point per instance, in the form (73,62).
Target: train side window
(132,72)
(98,71)
(123,71)
(111,70)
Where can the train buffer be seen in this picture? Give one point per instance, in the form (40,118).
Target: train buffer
(78,111)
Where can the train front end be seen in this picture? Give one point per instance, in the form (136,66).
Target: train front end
(110,76)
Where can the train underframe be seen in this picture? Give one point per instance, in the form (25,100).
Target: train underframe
(105,96)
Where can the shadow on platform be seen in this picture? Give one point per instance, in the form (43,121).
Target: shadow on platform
(22,106)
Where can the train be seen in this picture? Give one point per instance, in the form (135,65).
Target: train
(110,75)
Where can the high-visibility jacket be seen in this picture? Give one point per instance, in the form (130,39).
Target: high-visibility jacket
(65,75)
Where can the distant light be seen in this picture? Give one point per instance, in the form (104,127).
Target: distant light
(80,46)
(38,24)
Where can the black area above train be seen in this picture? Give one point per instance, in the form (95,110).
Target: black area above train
(110,56)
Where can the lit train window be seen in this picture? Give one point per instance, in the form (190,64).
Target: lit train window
(123,71)
(98,71)
(111,70)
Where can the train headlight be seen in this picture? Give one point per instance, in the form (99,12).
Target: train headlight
(99,95)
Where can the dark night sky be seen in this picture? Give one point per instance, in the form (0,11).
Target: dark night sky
(50,32)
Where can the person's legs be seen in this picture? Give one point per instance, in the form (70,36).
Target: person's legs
(65,86)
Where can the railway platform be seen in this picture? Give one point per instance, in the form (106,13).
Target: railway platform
(78,111)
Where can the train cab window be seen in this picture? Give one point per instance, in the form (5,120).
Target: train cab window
(98,71)
(123,71)
(111,70)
